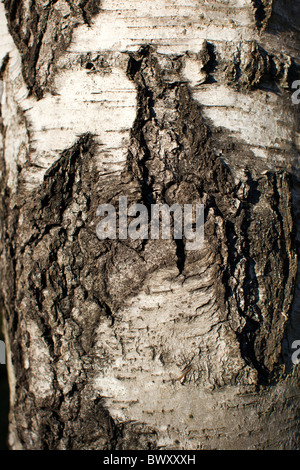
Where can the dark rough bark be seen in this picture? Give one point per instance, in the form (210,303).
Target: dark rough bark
(45,30)
(61,282)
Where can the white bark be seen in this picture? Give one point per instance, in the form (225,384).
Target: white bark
(169,367)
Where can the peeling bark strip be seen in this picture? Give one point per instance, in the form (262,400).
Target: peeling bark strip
(142,344)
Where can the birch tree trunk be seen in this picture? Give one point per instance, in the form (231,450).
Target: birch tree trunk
(134,344)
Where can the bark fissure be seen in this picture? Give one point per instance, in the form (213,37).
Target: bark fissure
(262,11)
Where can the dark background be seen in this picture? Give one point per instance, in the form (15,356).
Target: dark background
(3,402)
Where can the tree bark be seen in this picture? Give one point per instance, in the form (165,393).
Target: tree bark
(134,344)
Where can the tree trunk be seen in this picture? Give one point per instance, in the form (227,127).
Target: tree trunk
(144,344)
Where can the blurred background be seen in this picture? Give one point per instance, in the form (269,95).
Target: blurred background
(3,402)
